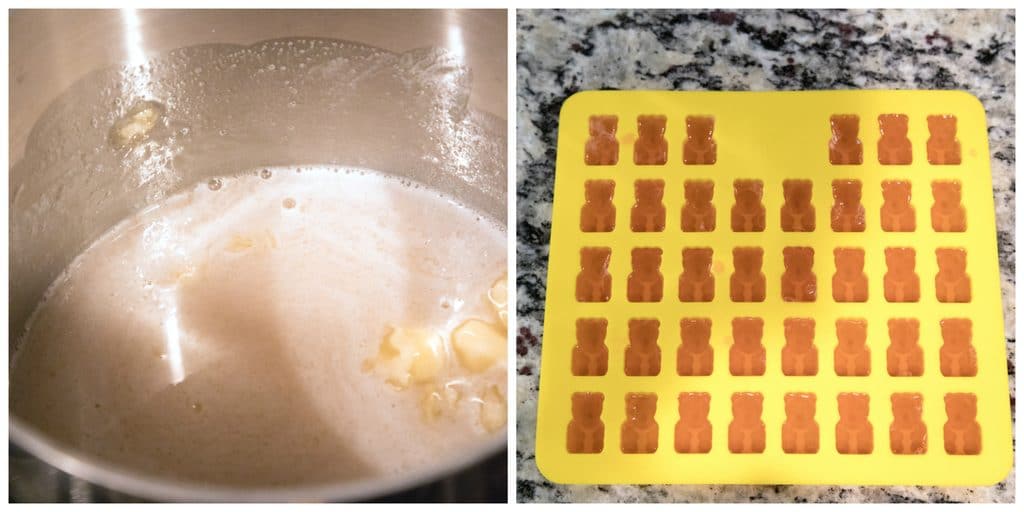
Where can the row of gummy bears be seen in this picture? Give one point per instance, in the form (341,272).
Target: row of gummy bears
(845,148)
(854,434)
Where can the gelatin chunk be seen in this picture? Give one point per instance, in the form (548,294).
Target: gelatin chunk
(797,214)
(697,283)
(852,355)
(800,431)
(747,283)
(854,434)
(695,356)
(844,148)
(748,214)
(897,213)
(957,357)
(598,213)
(650,147)
(594,283)
(847,212)
(645,282)
(409,356)
(590,354)
(943,146)
(849,283)
(586,430)
(948,214)
(648,214)
(799,355)
(136,124)
(498,297)
(952,284)
(907,433)
(493,409)
(643,355)
(900,281)
(962,433)
(894,147)
(904,356)
(746,431)
(747,355)
(602,148)
(442,400)
(640,430)
(479,345)
(693,431)
(698,212)
(700,147)
(799,284)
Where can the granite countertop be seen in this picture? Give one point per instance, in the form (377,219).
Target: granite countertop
(562,52)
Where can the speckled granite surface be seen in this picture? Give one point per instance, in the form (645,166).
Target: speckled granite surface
(559,53)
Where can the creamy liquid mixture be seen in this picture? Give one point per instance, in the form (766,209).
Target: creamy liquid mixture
(225,335)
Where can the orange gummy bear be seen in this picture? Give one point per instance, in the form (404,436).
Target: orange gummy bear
(894,147)
(943,146)
(747,354)
(700,147)
(847,212)
(698,212)
(957,357)
(799,355)
(594,283)
(849,283)
(650,147)
(907,433)
(962,433)
(897,214)
(748,212)
(640,430)
(602,148)
(695,356)
(590,355)
(948,215)
(852,355)
(904,356)
(900,281)
(598,213)
(645,282)
(797,212)
(747,283)
(693,431)
(586,430)
(746,431)
(844,148)
(800,431)
(648,212)
(854,434)
(643,356)
(799,284)
(697,283)
(952,284)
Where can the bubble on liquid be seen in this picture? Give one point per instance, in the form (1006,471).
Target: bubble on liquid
(197,406)
(266,174)
(214,184)
(288,203)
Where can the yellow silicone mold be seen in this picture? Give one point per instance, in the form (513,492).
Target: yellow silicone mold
(773,288)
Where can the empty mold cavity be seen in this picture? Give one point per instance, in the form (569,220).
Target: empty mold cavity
(698,212)
(695,356)
(844,148)
(700,147)
(943,146)
(907,433)
(594,283)
(852,355)
(849,283)
(586,430)
(747,283)
(904,357)
(748,212)
(894,147)
(598,213)
(956,356)
(747,354)
(602,147)
(952,284)
(645,282)
(897,213)
(640,430)
(746,430)
(800,431)
(799,355)
(643,355)
(847,211)
(590,354)
(948,214)
(854,434)
(697,283)
(900,281)
(797,213)
(962,433)
(799,284)
(693,431)
(650,147)
(648,213)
